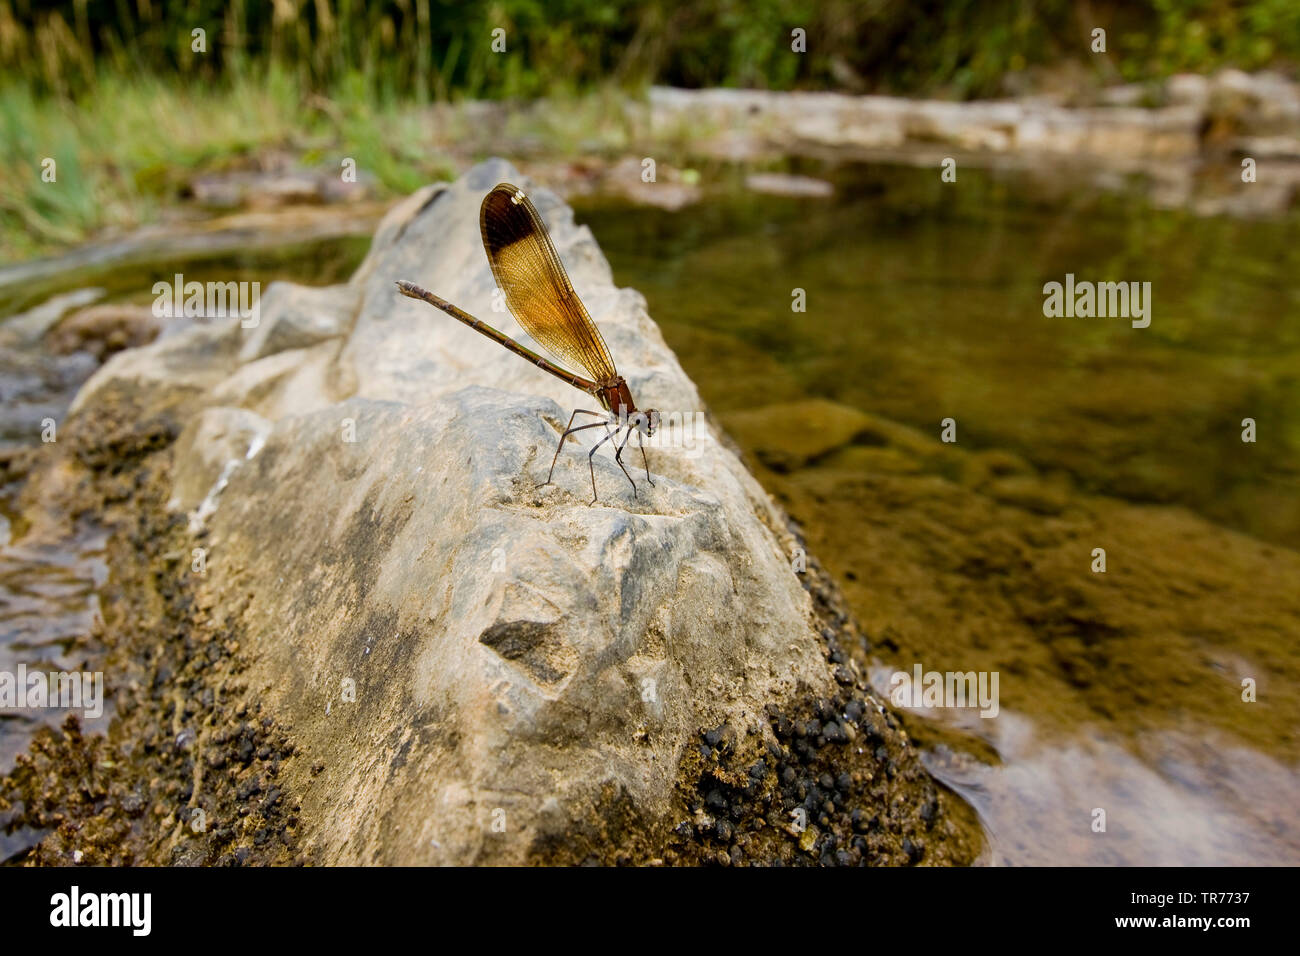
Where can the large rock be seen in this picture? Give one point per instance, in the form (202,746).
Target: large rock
(472,663)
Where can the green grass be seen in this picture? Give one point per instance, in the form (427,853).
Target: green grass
(439,49)
(128,149)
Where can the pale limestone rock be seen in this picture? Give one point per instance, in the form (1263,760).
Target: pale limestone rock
(456,644)
(747,121)
(211,446)
(294,316)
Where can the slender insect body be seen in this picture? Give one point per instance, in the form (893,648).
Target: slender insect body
(541,297)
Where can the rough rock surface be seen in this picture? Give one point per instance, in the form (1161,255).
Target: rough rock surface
(469,666)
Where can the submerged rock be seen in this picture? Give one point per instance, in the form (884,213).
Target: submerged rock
(781,184)
(470,665)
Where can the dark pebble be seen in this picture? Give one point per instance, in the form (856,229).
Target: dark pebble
(915,851)
(928,811)
(133,804)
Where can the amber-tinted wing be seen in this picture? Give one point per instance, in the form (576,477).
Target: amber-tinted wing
(537,289)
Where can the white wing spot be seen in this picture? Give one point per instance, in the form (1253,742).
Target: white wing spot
(517,198)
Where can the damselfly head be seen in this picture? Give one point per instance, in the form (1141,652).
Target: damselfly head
(649,421)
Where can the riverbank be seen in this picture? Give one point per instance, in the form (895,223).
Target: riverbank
(265,144)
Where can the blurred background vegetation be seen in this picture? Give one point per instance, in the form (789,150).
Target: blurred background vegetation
(432,48)
(115,91)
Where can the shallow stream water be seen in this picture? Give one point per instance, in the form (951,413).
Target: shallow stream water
(1122,735)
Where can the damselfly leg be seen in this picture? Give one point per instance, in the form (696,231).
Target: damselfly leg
(604,422)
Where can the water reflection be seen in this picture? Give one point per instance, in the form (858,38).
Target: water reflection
(49,610)
(1169,799)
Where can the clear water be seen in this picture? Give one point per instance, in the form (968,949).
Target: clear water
(925,300)
(1120,691)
